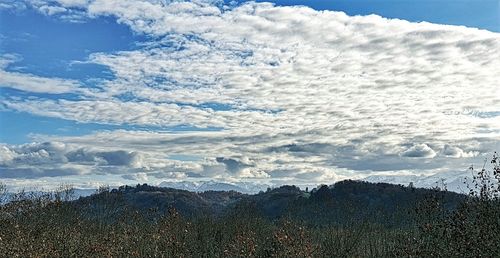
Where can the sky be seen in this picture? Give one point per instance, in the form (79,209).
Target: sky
(113,92)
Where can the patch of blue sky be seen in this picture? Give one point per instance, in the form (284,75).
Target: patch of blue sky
(18,127)
(159,81)
(184,157)
(169,129)
(217,106)
(227,107)
(51,47)
(483,14)
(489,114)
(176,42)
(129,96)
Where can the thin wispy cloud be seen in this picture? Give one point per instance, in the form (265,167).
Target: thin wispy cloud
(32,83)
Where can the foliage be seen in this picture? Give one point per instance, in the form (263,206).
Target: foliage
(469,230)
(348,219)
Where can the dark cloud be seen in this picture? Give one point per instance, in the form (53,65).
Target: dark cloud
(233,166)
(37,172)
(49,159)
(419,151)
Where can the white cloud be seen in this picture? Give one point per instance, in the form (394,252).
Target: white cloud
(32,83)
(456,152)
(50,159)
(419,151)
(307,95)
(12,4)
(140,177)
(51,10)
(138,113)
(73,3)
(37,84)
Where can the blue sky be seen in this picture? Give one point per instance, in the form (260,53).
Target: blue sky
(78,69)
(483,14)
(50,47)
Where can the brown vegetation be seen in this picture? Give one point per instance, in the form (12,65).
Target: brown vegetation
(50,225)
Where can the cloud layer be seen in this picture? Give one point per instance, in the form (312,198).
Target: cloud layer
(300,95)
(32,83)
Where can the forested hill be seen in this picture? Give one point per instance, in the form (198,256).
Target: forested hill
(347,219)
(339,203)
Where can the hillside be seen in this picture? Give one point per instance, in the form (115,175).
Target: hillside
(338,203)
(347,219)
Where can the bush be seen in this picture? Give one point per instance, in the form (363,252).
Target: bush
(469,230)
(106,225)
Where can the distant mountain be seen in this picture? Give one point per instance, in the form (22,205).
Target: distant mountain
(83,192)
(242,187)
(452,181)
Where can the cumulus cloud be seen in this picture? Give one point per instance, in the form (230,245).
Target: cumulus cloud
(456,152)
(73,3)
(12,5)
(37,172)
(141,177)
(67,10)
(232,165)
(111,158)
(298,94)
(58,159)
(419,151)
(264,58)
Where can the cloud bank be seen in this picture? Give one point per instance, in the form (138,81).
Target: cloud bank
(299,95)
